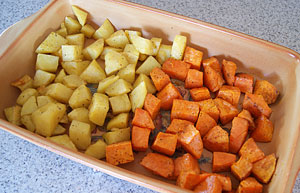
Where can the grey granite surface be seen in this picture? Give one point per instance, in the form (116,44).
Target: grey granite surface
(25,167)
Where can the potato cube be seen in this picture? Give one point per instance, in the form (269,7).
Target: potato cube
(156,42)
(72,25)
(60,76)
(75,67)
(64,119)
(142,57)
(130,33)
(138,96)
(80,14)
(93,73)
(118,88)
(63,140)
(103,84)
(80,134)
(42,78)
(59,130)
(143,45)
(29,106)
(81,97)
(98,108)
(117,136)
(107,49)
(62,31)
(120,104)
(114,61)
(51,44)
(87,30)
(131,54)
(25,95)
(119,153)
(59,92)
(76,39)
(164,53)
(71,52)
(178,47)
(13,114)
(119,121)
(27,121)
(43,100)
(148,66)
(97,150)
(73,81)
(149,85)
(81,114)
(94,50)
(128,73)
(47,62)
(117,39)
(23,83)
(46,118)
(104,31)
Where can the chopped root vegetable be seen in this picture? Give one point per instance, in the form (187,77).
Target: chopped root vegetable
(216,139)
(186,163)
(251,151)
(194,79)
(256,105)
(264,169)
(160,78)
(208,106)
(264,129)
(267,90)
(152,105)
(178,125)
(119,153)
(193,57)
(250,185)
(142,119)
(211,184)
(205,123)
(140,138)
(167,95)
(229,69)
(186,110)
(200,94)
(189,180)
(238,134)
(244,82)
(222,161)
(242,168)
(230,94)
(176,68)
(165,143)
(227,110)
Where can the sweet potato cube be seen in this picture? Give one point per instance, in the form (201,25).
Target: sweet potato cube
(200,94)
(256,105)
(267,90)
(191,141)
(211,184)
(264,129)
(194,79)
(242,168)
(160,78)
(159,164)
(216,139)
(165,143)
(205,123)
(227,110)
(176,68)
(212,79)
(251,151)
(245,114)
(244,82)
(263,169)
(186,110)
(213,63)
(167,95)
(208,106)
(186,163)
(140,138)
(222,161)
(230,94)
(152,105)
(193,57)
(250,185)
(189,180)
(177,125)
(238,134)
(142,119)
(225,181)
(229,69)
(119,153)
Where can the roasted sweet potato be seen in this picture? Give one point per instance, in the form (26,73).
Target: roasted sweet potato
(193,57)
(212,79)
(245,114)
(213,63)
(186,163)
(229,69)
(165,143)
(250,151)
(211,184)
(178,125)
(227,110)
(225,181)
(256,105)
(159,164)
(119,153)
(250,185)
(267,90)
(208,106)
(238,134)
(244,82)
(186,110)
(222,161)
(160,78)
(200,94)
(216,139)
(230,94)
(189,180)
(167,95)
(264,169)
(194,79)
(142,119)
(152,105)
(242,168)
(205,123)
(264,129)
(140,138)
(176,68)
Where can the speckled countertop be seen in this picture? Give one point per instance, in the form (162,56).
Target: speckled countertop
(25,167)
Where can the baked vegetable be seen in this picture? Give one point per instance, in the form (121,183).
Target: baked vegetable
(165,143)
(251,151)
(189,180)
(227,110)
(142,119)
(216,139)
(205,123)
(250,185)
(193,57)
(140,138)
(120,104)
(119,153)
(177,125)
(264,169)
(210,184)
(117,135)
(222,161)
(138,96)
(186,164)
(267,90)
(178,47)
(200,94)
(244,82)
(208,106)
(229,69)
(245,114)
(152,105)
(148,65)
(98,108)
(167,95)
(97,150)
(175,68)
(242,168)
(264,129)
(194,79)
(230,94)
(63,140)
(159,78)
(80,134)
(187,110)
(238,134)
(13,114)
(256,105)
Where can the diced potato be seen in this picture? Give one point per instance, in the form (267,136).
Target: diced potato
(43,100)
(103,84)
(47,63)
(58,53)
(23,83)
(81,114)
(59,92)
(131,54)
(120,104)
(75,67)
(118,88)
(164,53)
(71,52)
(107,49)
(64,119)
(149,85)
(87,30)
(47,117)
(178,47)
(81,97)
(80,134)
(104,31)
(93,73)
(13,114)
(51,44)
(117,136)
(73,81)
(60,76)
(148,66)
(80,14)
(114,61)
(27,121)
(25,95)
(117,39)
(42,78)
(156,42)
(63,140)
(138,95)
(29,106)
(98,109)
(72,25)
(62,31)
(76,39)
(142,57)
(143,45)
(131,33)
(127,73)
(119,121)
(97,150)
(94,50)
(59,130)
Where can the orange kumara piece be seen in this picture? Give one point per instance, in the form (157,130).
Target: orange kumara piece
(165,143)
(186,163)
(227,110)
(211,184)
(264,129)
(222,161)
(140,138)
(242,168)
(142,119)
(244,82)
(160,78)
(119,153)
(212,79)
(245,114)
(152,105)
(250,185)
(216,139)
(229,69)
(193,57)
(213,63)
(167,95)
(238,134)
(178,125)
(230,94)
(189,180)
(176,68)
(200,94)
(208,106)
(205,123)
(256,105)
(186,110)
(194,79)
(251,151)
(267,90)
(264,169)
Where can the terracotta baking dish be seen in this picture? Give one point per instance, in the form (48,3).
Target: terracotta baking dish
(266,60)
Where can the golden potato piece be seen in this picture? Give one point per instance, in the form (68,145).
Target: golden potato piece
(75,67)
(105,83)
(97,150)
(26,120)
(59,92)
(51,44)
(42,78)
(47,63)
(107,49)
(117,136)
(23,83)
(119,121)
(81,97)
(104,31)
(120,104)
(71,52)
(73,81)
(13,114)
(98,109)
(25,95)
(60,76)
(80,14)
(138,95)
(63,140)
(72,25)
(87,30)
(143,45)
(164,53)
(178,47)
(127,73)
(118,88)
(149,85)
(94,50)
(76,39)
(80,134)
(59,130)
(114,61)
(117,39)
(148,66)
(29,106)
(93,73)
